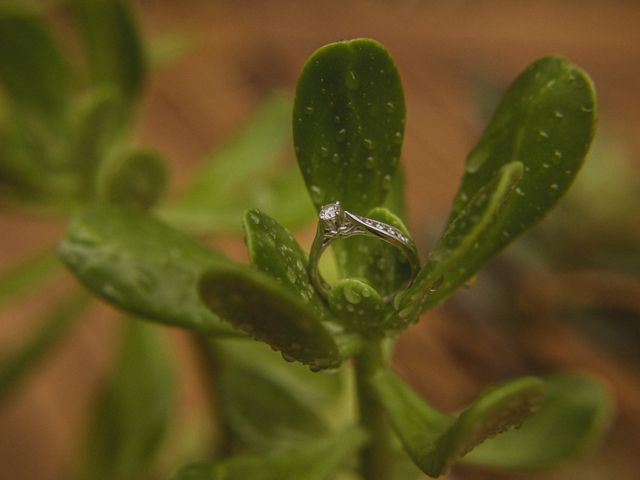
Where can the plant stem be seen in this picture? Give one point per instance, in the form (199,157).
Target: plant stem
(206,352)
(375,459)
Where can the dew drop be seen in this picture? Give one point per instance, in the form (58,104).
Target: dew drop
(397,137)
(519,191)
(316,194)
(337,119)
(324,151)
(557,153)
(342,134)
(308,110)
(436,285)
(545,165)
(352,295)
(543,134)
(586,108)
(369,162)
(554,186)
(390,106)
(352,81)
(335,158)
(254,218)
(386,182)
(368,143)
(558,114)
(288,358)
(291,275)
(476,159)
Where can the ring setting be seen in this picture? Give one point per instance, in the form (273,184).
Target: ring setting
(335,222)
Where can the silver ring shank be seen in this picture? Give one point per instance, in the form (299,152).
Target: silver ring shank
(351,225)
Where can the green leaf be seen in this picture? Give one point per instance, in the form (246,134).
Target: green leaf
(56,324)
(359,307)
(436,441)
(170,47)
(33,72)
(459,242)
(27,274)
(545,122)
(142,266)
(348,123)
(135,178)
(575,414)
(259,306)
(230,178)
(97,125)
(113,46)
(318,460)
(291,398)
(274,251)
(133,410)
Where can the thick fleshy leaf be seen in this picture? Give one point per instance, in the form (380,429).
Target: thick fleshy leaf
(292,400)
(142,266)
(545,122)
(112,45)
(56,323)
(136,178)
(32,69)
(359,307)
(133,410)
(462,238)
(268,311)
(274,251)
(98,122)
(348,123)
(575,414)
(318,460)
(436,441)
(223,187)
(27,274)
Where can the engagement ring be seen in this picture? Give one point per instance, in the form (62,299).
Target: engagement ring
(338,223)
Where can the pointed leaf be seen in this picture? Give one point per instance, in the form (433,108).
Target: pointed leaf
(348,123)
(113,46)
(142,266)
(575,415)
(258,305)
(27,274)
(136,178)
(545,122)
(229,177)
(435,441)
(274,251)
(134,409)
(56,324)
(318,460)
(448,263)
(98,122)
(292,399)
(32,70)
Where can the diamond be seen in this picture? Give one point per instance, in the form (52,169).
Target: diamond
(330,212)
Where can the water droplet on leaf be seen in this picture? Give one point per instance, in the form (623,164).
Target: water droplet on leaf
(352,81)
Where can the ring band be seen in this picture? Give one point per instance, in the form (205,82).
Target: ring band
(335,222)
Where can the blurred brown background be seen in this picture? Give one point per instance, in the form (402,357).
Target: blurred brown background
(242,51)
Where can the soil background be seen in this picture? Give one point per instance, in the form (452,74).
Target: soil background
(245,49)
